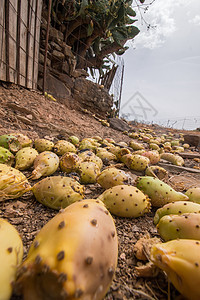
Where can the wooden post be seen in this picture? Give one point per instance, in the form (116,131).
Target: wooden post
(46,46)
(7,37)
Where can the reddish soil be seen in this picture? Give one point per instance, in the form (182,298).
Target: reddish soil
(30,113)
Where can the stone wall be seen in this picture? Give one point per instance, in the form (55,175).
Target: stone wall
(66,83)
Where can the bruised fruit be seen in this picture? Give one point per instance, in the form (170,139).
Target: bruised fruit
(10,142)
(74,256)
(69,162)
(156,171)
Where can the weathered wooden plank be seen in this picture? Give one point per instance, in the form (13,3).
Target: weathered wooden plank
(12,40)
(170,168)
(23,37)
(189,155)
(2,44)
(36,42)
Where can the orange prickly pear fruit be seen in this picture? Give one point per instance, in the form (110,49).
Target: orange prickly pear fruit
(74,256)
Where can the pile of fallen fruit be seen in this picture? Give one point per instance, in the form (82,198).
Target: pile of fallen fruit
(98,199)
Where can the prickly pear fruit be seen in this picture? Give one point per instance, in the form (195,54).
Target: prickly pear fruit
(73,256)
(111,177)
(6,157)
(13,183)
(156,171)
(185,226)
(10,142)
(88,143)
(58,192)
(193,194)
(176,208)
(121,152)
(42,145)
(84,154)
(154,146)
(135,145)
(180,260)
(25,157)
(125,201)
(95,159)
(135,162)
(24,140)
(158,191)
(88,172)
(175,159)
(11,249)
(106,155)
(69,162)
(45,164)
(74,139)
(153,156)
(62,146)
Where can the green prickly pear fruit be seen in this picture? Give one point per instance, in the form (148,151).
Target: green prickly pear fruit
(176,208)
(193,194)
(125,201)
(62,146)
(13,183)
(58,192)
(11,249)
(175,159)
(135,145)
(185,226)
(74,256)
(6,157)
(153,156)
(74,140)
(179,259)
(69,162)
(156,171)
(135,162)
(88,172)
(111,177)
(24,140)
(45,164)
(42,145)
(158,191)
(25,157)
(10,142)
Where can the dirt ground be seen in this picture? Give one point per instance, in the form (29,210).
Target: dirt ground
(31,113)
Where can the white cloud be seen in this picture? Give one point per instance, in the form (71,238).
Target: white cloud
(195,20)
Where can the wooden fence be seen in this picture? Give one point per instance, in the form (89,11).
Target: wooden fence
(19,41)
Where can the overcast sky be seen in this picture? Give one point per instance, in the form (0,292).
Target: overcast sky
(162,66)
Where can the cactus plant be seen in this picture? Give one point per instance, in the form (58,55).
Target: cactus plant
(58,192)
(45,164)
(176,208)
(13,183)
(193,194)
(158,191)
(25,157)
(42,145)
(125,201)
(6,157)
(11,249)
(179,259)
(111,177)
(185,226)
(62,146)
(73,256)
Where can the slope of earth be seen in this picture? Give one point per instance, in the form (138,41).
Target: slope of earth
(30,113)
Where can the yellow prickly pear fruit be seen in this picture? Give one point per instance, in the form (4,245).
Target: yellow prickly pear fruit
(153,156)
(135,162)
(11,253)
(121,152)
(25,157)
(62,146)
(125,201)
(95,159)
(175,159)
(58,192)
(111,177)
(88,172)
(186,146)
(42,145)
(69,162)
(185,226)
(74,256)
(156,171)
(176,208)
(24,140)
(135,145)
(6,157)
(88,143)
(85,154)
(179,259)
(158,191)
(13,183)
(105,155)
(45,164)
(193,194)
